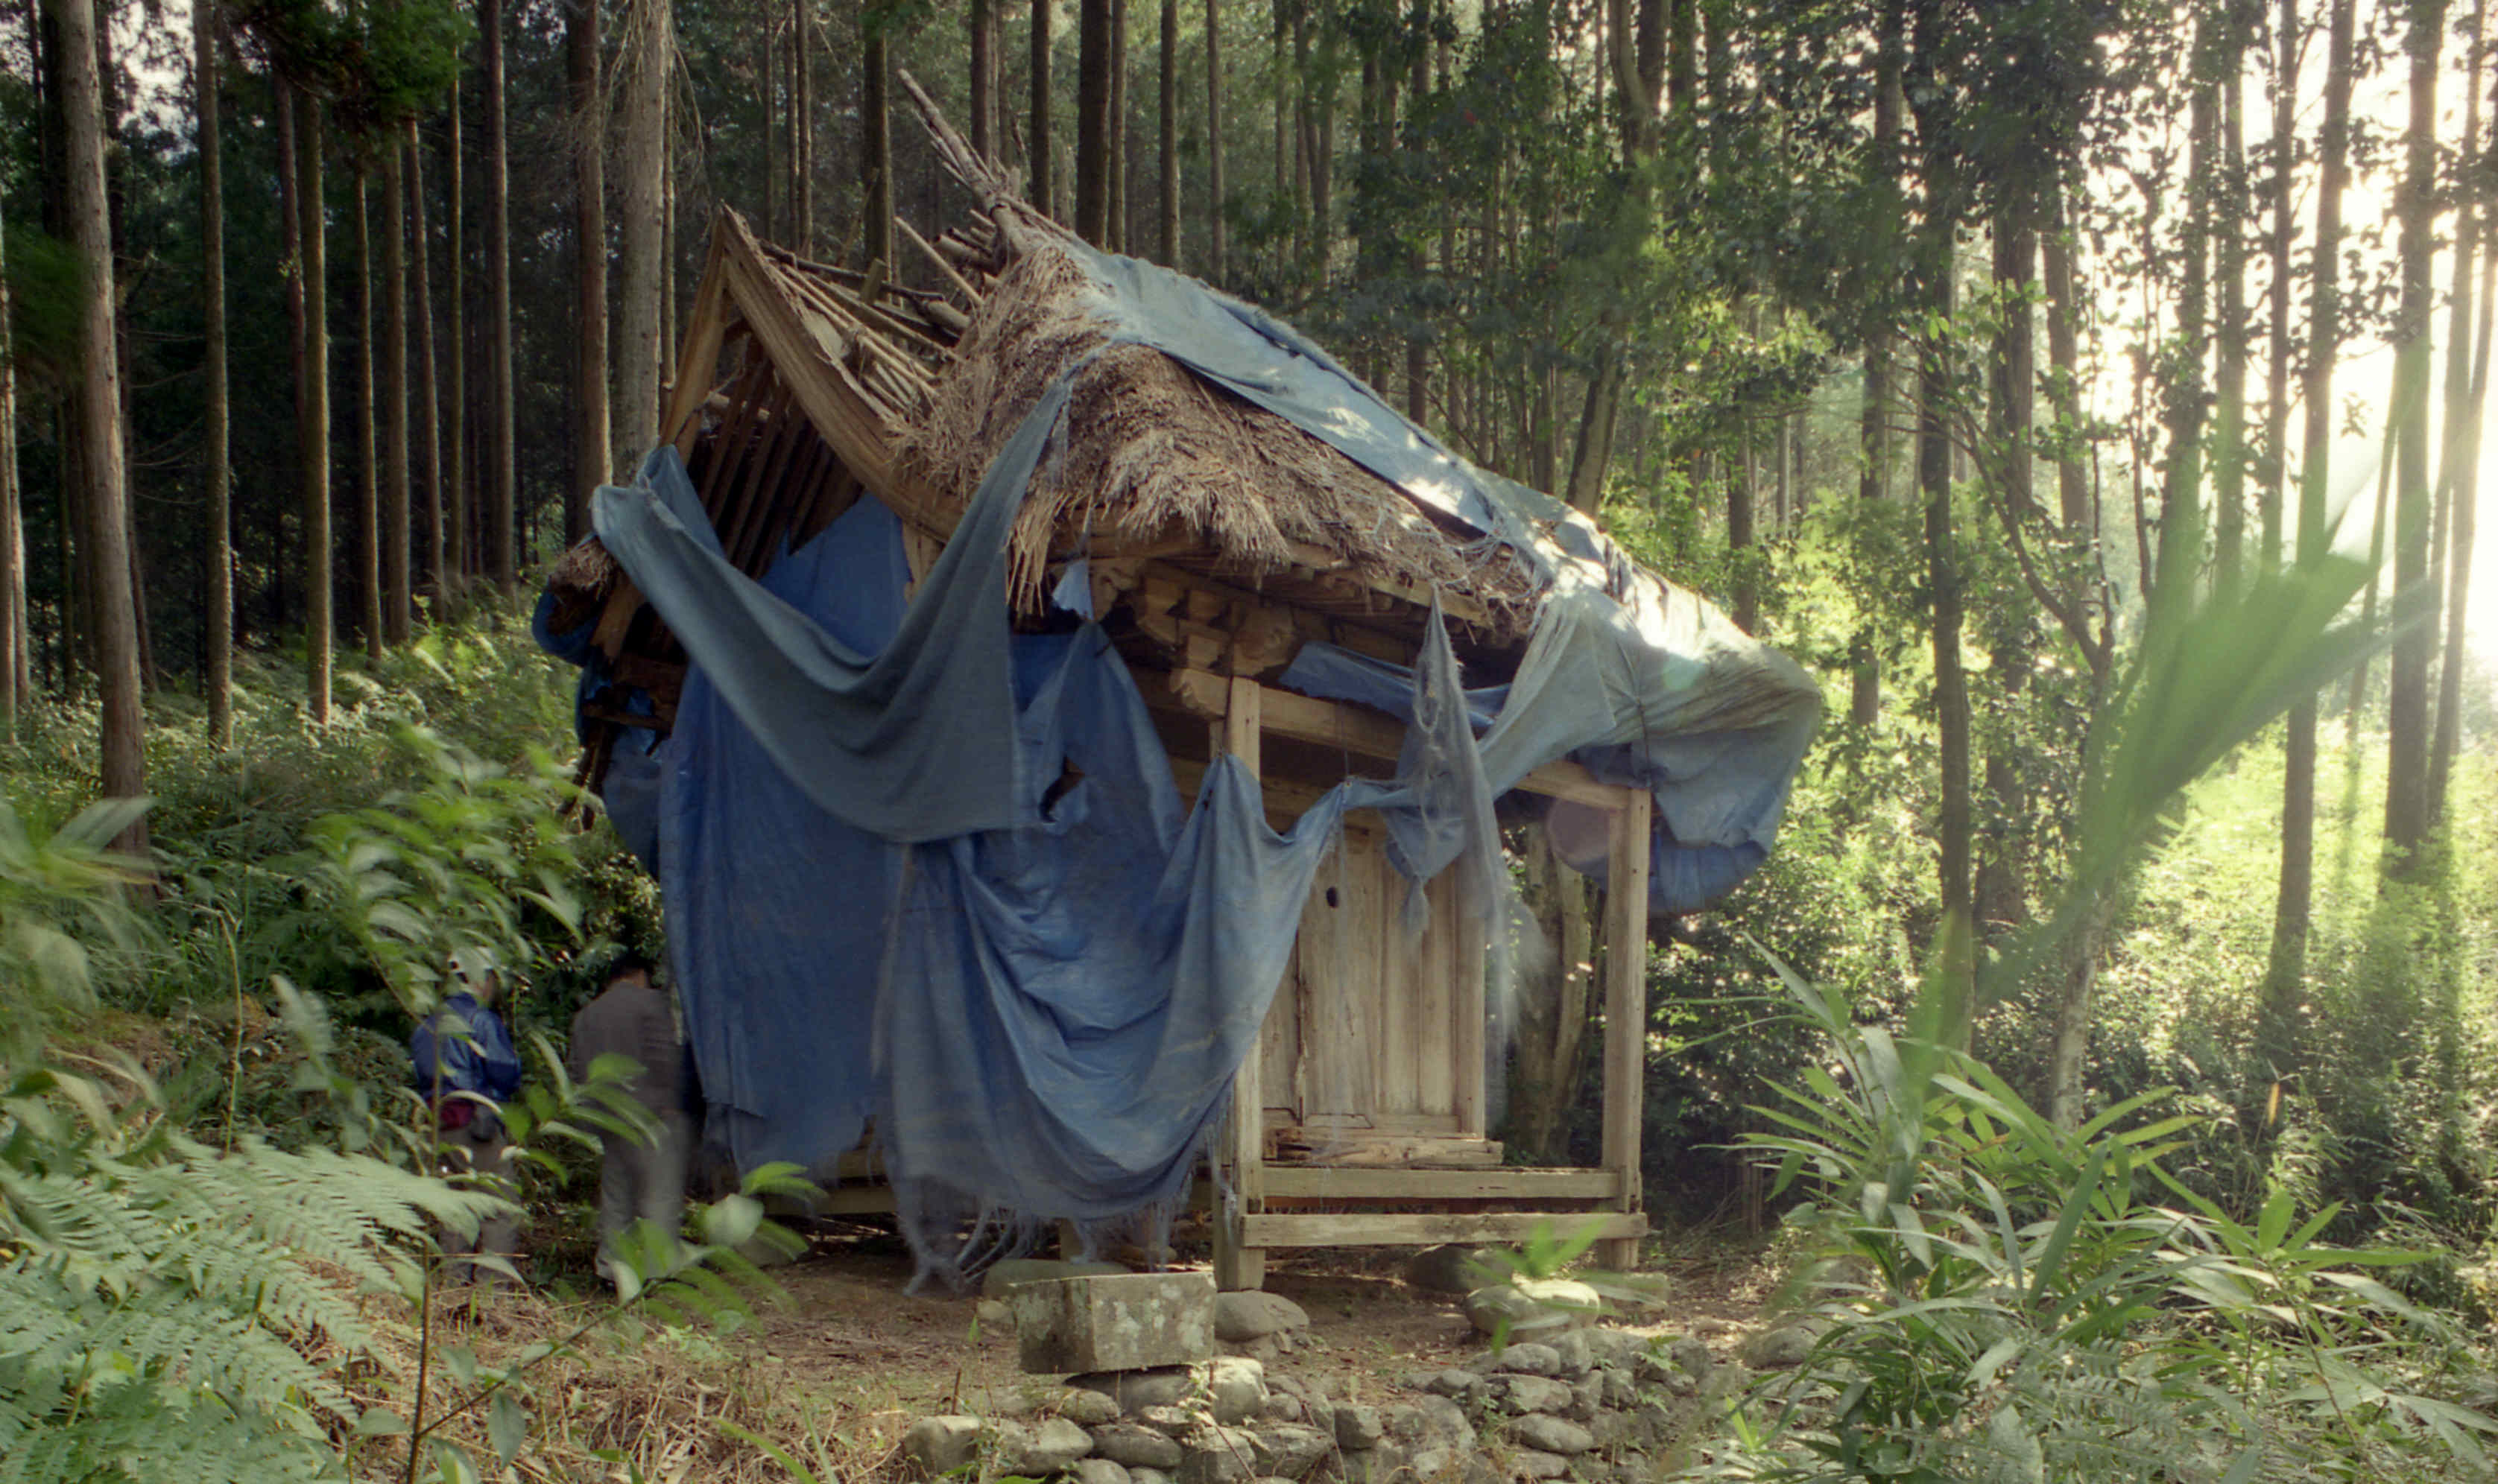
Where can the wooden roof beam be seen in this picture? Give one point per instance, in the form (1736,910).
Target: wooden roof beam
(1360,729)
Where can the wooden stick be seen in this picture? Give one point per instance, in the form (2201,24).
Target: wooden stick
(939,259)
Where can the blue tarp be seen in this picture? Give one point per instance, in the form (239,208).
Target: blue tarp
(919,869)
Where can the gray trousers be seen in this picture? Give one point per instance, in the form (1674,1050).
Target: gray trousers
(642,1181)
(482,1145)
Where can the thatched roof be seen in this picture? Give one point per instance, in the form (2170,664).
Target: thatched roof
(910,391)
(800,384)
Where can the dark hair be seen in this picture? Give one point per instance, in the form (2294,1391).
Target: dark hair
(630,962)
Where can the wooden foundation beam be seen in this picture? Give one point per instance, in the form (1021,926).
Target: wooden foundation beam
(1428,1228)
(1625,1014)
(1330,1183)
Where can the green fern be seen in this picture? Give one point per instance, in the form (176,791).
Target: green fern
(162,1304)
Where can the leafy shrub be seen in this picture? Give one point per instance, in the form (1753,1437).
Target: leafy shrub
(1998,1299)
(157,1297)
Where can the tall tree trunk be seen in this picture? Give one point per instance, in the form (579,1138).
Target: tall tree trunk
(501,473)
(429,403)
(368,474)
(1038,146)
(1417,353)
(458,544)
(2407,677)
(2064,361)
(1123,233)
(2448,737)
(802,116)
(1167,215)
(2231,211)
(2358,690)
(396,602)
(642,100)
(214,455)
(2001,894)
(14,638)
(1739,540)
(1874,429)
(1955,976)
(1214,227)
(668,331)
(767,68)
(876,140)
(592,432)
(984,75)
(312,401)
(1094,120)
(2459,483)
(104,496)
(2281,185)
(1324,102)
(2278,1035)
(2181,486)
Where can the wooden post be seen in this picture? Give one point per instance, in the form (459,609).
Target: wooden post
(1242,1147)
(1625,1011)
(1471,928)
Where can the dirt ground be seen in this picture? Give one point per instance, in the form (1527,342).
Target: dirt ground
(851,1334)
(825,1378)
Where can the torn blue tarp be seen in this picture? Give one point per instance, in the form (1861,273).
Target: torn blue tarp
(923,871)
(1042,1018)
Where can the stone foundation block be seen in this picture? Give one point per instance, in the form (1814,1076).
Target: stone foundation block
(1127,1323)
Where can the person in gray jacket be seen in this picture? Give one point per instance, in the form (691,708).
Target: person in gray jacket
(632,1018)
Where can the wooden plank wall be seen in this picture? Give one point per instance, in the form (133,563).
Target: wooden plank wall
(1369,1032)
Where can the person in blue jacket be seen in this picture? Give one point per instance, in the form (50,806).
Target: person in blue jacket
(467,1068)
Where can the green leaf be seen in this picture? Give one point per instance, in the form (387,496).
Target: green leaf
(2272,1223)
(2051,1257)
(732,1220)
(507,1426)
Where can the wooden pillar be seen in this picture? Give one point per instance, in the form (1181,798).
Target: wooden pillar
(1242,1147)
(1472,932)
(1625,1011)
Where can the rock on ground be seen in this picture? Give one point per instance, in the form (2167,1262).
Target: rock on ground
(942,1444)
(1235,1388)
(1042,1450)
(1217,1455)
(1100,1471)
(1357,1428)
(1693,1356)
(1532,1393)
(1533,1304)
(1528,1463)
(1455,1269)
(1290,1450)
(1254,1315)
(1137,1390)
(1134,1445)
(1528,1360)
(1779,1349)
(1551,1434)
(1084,1407)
